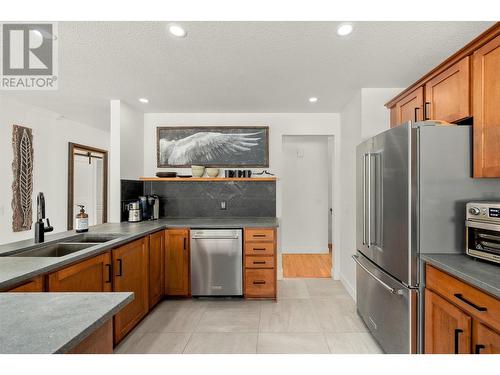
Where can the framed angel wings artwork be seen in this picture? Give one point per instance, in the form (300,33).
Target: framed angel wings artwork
(214,146)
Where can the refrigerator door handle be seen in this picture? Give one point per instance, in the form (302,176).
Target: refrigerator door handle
(364,199)
(369,203)
(389,288)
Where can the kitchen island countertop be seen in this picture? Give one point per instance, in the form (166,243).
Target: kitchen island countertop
(47,323)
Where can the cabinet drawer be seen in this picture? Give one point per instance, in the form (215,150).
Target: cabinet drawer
(473,301)
(260,283)
(259,235)
(259,248)
(259,262)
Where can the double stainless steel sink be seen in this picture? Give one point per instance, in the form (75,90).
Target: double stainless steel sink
(67,245)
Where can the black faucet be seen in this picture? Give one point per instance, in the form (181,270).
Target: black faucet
(40,227)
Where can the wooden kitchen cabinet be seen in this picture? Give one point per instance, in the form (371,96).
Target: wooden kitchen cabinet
(35,285)
(409,108)
(177,273)
(156,267)
(91,275)
(447,328)
(486,341)
(447,95)
(486,113)
(393,116)
(98,342)
(259,263)
(131,274)
(465,86)
(459,318)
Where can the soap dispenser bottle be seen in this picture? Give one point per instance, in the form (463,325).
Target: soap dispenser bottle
(82,220)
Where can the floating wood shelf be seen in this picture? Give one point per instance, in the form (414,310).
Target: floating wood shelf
(219,179)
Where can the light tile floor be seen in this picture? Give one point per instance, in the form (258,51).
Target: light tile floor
(310,316)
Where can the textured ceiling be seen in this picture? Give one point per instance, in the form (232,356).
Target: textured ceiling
(238,66)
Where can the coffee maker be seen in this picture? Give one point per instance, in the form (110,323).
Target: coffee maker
(154,204)
(150,207)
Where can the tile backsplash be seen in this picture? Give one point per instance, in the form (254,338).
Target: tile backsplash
(205,199)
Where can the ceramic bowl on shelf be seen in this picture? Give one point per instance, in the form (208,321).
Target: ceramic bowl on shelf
(213,172)
(197,170)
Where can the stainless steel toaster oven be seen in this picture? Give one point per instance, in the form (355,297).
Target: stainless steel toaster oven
(483,230)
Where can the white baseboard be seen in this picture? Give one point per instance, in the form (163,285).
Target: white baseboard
(350,289)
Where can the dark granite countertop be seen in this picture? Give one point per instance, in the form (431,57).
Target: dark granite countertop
(481,274)
(46,323)
(15,270)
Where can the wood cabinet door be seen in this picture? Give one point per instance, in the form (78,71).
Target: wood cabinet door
(447,95)
(131,274)
(156,267)
(394,116)
(485,109)
(486,341)
(177,262)
(91,275)
(410,108)
(447,328)
(35,285)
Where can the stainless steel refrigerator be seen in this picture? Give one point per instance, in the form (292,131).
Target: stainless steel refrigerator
(413,182)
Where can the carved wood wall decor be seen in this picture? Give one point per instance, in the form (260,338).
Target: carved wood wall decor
(22,186)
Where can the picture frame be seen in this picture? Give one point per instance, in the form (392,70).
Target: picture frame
(212,146)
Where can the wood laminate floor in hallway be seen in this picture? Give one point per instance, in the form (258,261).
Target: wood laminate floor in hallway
(310,316)
(307,265)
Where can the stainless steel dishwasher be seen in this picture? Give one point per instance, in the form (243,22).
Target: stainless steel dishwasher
(216,262)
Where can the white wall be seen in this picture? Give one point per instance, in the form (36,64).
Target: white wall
(131,143)
(373,113)
(280,124)
(351,136)
(51,134)
(126,159)
(114,163)
(364,116)
(306,193)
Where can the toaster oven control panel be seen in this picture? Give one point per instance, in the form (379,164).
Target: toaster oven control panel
(483,211)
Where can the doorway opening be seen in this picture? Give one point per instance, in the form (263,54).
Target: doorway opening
(307,217)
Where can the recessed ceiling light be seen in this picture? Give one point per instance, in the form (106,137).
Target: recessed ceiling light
(177,31)
(143,100)
(313,99)
(344,29)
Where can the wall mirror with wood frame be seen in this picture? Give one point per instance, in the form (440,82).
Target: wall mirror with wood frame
(87,183)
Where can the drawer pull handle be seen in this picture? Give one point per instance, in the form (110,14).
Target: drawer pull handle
(464,300)
(259,282)
(479,347)
(457,332)
(259,262)
(426,110)
(259,249)
(109,273)
(120,268)
(259,235)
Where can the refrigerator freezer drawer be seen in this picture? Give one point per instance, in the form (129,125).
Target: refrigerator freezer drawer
(387,307)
